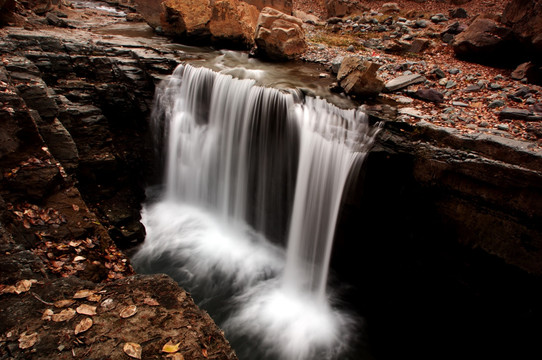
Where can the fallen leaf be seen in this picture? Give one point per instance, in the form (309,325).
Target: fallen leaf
(64,315)
(63,303)
(204,352)
(27,341)
(176,356)
(171,348)
(82,294)
(79,258)
(75,207)
(94,297)
(47,314)
(10,289)
(128,311)
(108,304)
(132,350)
(150,302)
(85,309)
(83,325)
(75,243)
(24,285)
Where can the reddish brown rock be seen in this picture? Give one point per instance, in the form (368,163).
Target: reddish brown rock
(285,6)
(340,8)
(525,19)
(234,22)
(358,77)
(279,36)
(150,10)
(187,18)
(484,41)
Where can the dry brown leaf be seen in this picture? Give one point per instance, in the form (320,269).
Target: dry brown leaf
(75,207)
(204,352)
(150,302)
(64,315)
(47,314)
(171,348)
(132,350)
(85,309)
(128,311)
(95,297)
(176,356)
(27,340)
(79,258)
(10,289)
(63,303)
(82,294)
(24,285)
(108,304)
(83,325)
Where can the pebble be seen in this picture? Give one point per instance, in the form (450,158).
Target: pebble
(504,127)
(495,86)
(459,103)
(450,84)
(471,126)
(351,48)
(454,71)
(443,81)
(483,124)
(495,104)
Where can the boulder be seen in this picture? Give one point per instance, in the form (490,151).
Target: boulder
(285,6)
(308,18)
(234,22)
(524,17)
(358,77)
(187,18)
(150,10)
(340,8)
(485,41)
(528,70)
(279,36)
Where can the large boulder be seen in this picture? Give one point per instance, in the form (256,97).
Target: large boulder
(524,17)
(285,6)
(234,22)
(187,18)
(151,11)
(279,36)
(485,41)
(358,77)
(340,8)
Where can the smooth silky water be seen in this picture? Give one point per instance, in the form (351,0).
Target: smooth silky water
(246,216)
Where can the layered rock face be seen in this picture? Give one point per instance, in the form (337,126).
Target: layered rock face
(279,36)
(340,8)
(234,23)
(89,100)
(285,6)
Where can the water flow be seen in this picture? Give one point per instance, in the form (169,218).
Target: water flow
(246,164)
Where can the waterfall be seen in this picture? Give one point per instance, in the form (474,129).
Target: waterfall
(253,183)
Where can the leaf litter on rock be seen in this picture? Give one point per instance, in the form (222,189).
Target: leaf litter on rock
(128,311)
(132,350)
(85,309)
(64,315)
(83,325)
(27,340)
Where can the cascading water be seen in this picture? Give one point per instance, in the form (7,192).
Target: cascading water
(245,164)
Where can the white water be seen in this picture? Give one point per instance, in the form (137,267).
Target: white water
(245,164)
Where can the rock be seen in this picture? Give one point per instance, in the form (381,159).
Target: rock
(396,46)
(430,95)
(151,11)
(504,127)
(419,45)
(308,18)
(514,114)
(285,6)
(134,17)
(336,64)
(54,20)
(358,77)
(529,71)
(187,18)
(334,20)
(233,22)
(438,18)
(279,36)
(458,13)
(403,81)
(473,88)
(412,112)
(390,8)
(340,8)
(524,17)
(485,41)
